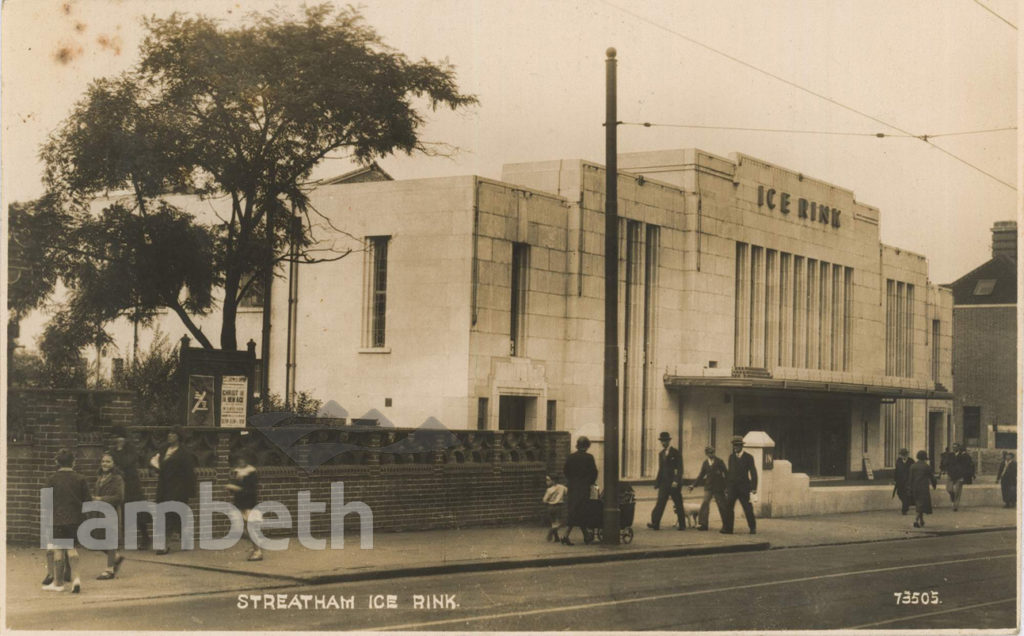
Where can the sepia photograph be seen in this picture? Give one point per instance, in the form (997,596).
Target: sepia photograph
(460,316)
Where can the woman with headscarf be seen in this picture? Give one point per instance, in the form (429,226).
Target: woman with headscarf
(581,472)
(176,480)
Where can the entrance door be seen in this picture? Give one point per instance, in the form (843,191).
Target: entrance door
(513,412)
(811,433)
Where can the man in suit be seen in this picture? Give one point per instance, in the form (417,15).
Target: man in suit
(740,482)
(668,483)
(960,471)
(1007,480)
(901,475)
(712,476)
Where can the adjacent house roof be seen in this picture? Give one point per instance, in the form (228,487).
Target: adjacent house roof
(994,283)
(372,172)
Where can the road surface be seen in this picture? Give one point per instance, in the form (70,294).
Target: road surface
(960,581)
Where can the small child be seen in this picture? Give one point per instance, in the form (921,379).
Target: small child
(554,498)
(244,484)
(69,491)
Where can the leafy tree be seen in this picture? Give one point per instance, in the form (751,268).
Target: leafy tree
(305,404)
(36,232)
(68,332)
(156,379)
(246,112)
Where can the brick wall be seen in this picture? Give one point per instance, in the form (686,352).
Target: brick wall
(985,366)
(402,496)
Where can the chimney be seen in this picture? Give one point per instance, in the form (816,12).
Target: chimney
(1004,239)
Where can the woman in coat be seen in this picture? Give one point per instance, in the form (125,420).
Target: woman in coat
(581,472)
(127,460)
(110,489)
(921,476)
(177,479)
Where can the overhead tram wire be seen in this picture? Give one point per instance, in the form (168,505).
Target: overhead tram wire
(986,8)
(648,124)
(804,89)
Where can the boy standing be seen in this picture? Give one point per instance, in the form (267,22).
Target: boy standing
(554,497)
(69,491)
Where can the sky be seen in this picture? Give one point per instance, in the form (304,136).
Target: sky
(537,67)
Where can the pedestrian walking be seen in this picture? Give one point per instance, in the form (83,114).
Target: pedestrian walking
(668,483)
(69,491)
(554,500)
(128,462)
(110,489)
(712,476)
(922,476)
(581,473)
(244,487)
(176,481)
(1007,480)
(901,477)
(960,469)
(740,483)
(944,460)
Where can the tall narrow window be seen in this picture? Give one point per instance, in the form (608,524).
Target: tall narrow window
(741,347)
(552,414)
(936,351)
(847,317)
(376,285)
(481,414)
(517,305)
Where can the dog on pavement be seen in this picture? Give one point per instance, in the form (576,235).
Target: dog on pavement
(691,510)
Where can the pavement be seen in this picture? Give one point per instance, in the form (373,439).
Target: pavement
(147,576)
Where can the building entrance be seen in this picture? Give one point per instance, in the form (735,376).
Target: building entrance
(813,434)
(516,412)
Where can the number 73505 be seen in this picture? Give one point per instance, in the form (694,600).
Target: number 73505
(907,597)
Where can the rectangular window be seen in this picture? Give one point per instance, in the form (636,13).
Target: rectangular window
(741,344)
(785,311)
(771,308)
(972,424)
(253,296)
(899,329)
(376,286)
(552,414)
(908,333)
(847,317)
(889,420)
(481,414)
(936,350)
(517,303)
(813,320)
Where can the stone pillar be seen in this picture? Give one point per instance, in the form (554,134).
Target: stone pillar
(762,448)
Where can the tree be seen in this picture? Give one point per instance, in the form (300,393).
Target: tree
(248,112)
(36,232)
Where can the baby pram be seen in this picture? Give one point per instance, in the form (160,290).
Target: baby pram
(593,516)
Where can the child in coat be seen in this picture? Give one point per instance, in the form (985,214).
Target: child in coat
(69,491)
(554,497)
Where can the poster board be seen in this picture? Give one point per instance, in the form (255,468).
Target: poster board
(233,401)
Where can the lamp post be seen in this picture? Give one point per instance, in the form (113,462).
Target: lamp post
(611,312)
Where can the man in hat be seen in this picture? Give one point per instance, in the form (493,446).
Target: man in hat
(668,483)
(712,476)
(740,482)
(901,477)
